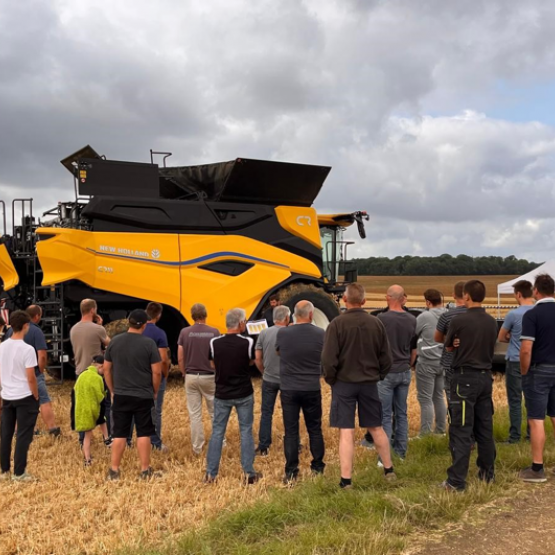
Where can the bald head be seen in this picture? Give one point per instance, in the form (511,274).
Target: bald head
(395,297)
(303,312)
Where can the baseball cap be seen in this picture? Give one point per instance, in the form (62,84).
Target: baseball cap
(98,359)
(138,317)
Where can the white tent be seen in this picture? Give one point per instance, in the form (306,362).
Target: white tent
(507,287)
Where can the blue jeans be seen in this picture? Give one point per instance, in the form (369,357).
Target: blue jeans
(394,390)
(222,412)
(270,392)
(156,439)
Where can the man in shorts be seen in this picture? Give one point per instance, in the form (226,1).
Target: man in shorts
(537,365)
(35,338)
(355,358)
(133,371)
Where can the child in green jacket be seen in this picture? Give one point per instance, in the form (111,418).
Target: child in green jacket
(89,406)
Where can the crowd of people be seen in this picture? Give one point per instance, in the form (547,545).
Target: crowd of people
(367,361)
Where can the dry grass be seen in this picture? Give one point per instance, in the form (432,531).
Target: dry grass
(73,510)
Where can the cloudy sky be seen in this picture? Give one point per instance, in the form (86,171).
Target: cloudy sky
(436,116)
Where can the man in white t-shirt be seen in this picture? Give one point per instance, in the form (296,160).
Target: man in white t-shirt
(20,397)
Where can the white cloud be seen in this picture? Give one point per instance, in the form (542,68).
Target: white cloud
(394,95)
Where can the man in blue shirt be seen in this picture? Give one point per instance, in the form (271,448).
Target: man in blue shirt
(35,338)
(510,333)
(537,364)
(154,312)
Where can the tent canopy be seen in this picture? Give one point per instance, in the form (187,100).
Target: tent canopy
(546,268)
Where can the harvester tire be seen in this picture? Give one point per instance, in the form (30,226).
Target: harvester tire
(326,309)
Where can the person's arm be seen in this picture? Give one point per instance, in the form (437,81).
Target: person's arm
(450,337)
(156,376)
(504,335)
(41,358)
(259,361)
(525,355)
(330,354)
(385,358)
(104,339)
(413,355)
(441,329)
(165,364)
(181,359)
(252,356)
(108,376)
(32,381)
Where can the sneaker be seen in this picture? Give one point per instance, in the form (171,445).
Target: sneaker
(446,486)
(209,479)
(5,475)
(367,444)
(390,477)
(38,432)
(150,473)
(24,478)
(345,486)
(55,432)
(529,475)
(254,478)
(113,475)
(108,441)
(262,452)
(162,448)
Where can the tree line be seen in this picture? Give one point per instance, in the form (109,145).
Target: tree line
(444,265)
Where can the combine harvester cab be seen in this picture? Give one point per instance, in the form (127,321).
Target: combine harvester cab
(225,235)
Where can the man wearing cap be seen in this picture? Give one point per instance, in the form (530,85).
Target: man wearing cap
(133,371)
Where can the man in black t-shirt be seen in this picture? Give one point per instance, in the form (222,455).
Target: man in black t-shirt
(231,356)
(472,337)
(133,371)
(537,366)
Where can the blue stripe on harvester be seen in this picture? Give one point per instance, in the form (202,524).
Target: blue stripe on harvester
(192,261)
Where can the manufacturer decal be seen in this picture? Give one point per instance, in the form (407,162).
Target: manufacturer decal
(129,252)
(304,221)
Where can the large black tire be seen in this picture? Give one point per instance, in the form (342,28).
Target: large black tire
(326,309)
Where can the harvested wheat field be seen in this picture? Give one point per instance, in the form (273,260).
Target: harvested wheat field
(71,509)
(415,286)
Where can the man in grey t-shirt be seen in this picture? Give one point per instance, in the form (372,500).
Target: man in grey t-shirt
(400,327)
(267,361)
(300,350)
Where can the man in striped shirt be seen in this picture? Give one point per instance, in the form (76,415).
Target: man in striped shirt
(441,332)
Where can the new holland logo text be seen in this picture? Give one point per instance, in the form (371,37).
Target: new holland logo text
(155,253)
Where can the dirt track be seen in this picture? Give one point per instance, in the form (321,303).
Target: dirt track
(521,526)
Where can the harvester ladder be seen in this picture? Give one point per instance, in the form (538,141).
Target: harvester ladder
(51,300)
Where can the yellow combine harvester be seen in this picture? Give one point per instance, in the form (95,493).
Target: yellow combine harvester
(225,235)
